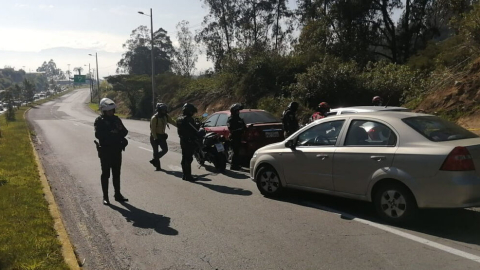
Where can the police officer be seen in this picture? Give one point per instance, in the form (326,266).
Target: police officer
(289,119)
(111,133)
(158,136)
(321,111)
(236,126)
(187,131)
(377,101)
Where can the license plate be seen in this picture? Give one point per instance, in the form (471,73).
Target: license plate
(273,134)
(219,147)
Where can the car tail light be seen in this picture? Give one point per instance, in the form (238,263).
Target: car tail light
(458,160)
(252,134)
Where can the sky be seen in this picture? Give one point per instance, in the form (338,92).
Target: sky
(67,31)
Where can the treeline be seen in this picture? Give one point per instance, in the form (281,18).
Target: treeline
(342,52)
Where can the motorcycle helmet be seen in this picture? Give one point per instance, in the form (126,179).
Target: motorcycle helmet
(162,107)
(189,109)
(236,107)
(293,106)
(377,101)
(107,104)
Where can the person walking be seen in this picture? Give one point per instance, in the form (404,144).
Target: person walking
(111,133)
(188,132)
(289,119)
(236,126)
(158,135)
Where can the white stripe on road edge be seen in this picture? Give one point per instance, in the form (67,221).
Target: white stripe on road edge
(402,234)
(149,150)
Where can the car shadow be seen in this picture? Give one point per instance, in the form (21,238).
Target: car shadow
(460,225)
(235,174)
(226,190)
(145,220)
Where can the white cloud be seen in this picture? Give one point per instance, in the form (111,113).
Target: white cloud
(34,40)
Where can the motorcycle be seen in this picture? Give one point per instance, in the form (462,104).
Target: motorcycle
(210,147)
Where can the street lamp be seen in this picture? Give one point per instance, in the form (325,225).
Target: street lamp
(153,65)
(90,83)
(98,78)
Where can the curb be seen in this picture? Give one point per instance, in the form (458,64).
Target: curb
(67,247)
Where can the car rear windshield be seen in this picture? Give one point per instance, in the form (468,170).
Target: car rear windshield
(258,117)
(437,129)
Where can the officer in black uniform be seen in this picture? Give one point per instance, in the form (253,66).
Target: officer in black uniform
(236,126)
(111,133)
(289,119)
(187,131)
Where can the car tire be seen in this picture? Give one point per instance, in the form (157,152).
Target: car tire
(268,182)
(395,203)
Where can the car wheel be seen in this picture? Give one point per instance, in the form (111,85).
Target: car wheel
(395,203)
(268,182)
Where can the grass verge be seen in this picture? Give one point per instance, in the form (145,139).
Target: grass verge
(94,107)
(28,239)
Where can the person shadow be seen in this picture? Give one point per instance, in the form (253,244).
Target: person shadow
(180,175)
(226,190)
(145,220)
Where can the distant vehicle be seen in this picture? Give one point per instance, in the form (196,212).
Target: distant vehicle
(400,161)
(363,109)
(262,129)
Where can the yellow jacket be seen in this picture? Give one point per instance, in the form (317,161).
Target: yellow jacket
(159,124)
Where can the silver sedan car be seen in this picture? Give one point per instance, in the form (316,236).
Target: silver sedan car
(400,161)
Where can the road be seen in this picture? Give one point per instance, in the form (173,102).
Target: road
(222,221)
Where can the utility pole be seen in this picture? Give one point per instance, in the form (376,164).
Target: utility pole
(153,60)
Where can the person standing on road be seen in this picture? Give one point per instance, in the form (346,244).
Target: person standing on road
(236,126)
(289,119)
(111,133)
(158,136)
(321,111)
(188,132)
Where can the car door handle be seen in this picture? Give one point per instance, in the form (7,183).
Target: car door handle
(378,158)
(322,156)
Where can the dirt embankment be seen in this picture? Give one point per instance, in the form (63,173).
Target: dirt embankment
(459,101)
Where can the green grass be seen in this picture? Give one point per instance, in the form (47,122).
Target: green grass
(27,236)
(94,107)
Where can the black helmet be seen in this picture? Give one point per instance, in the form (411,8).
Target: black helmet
(293,106)
(189,109)
(162,107)
(236,107)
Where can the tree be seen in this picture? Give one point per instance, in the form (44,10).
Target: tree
(68,73)
(218,29)
(133,88)
(186,55)
(79,70)
(29,90)
(137,59)
(51,71)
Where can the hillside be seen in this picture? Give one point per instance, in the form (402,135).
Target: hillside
(458,102)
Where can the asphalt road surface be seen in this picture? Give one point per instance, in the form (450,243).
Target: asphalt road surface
(222,221)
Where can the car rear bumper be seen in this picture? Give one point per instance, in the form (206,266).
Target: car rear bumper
(450,190)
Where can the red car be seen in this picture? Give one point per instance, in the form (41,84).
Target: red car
(262,129)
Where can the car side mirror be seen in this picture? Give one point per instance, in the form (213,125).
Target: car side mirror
(290,144)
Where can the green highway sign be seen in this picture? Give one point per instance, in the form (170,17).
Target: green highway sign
(79,78)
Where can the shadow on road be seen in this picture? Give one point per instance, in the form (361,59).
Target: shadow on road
(460,225)
(180,175)
(145,220)
(235,175)
(226,190)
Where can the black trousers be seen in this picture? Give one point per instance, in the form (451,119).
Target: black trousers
(162,142)
(188,148)
(236,143)
(111,160)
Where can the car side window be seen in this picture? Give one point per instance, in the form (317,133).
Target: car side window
(222,120)
(324,134)
(211,121)
(347,112)
(370,133)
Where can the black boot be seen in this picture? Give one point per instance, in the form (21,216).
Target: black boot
(119,198)
(106,201)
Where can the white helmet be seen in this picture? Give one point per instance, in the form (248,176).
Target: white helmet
(107,104)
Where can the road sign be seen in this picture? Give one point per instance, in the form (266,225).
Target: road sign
(79,78)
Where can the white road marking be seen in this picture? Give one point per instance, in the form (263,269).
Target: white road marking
(75,124)
(401,234)
(149,150)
